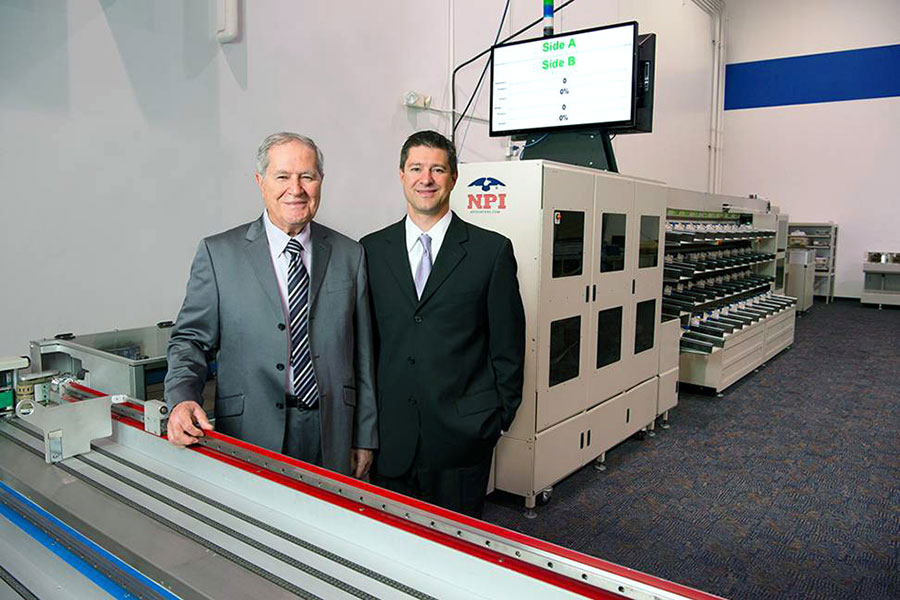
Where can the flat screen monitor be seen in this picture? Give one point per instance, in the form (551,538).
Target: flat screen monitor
(580,80)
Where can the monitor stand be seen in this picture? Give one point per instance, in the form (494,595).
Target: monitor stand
(583,148)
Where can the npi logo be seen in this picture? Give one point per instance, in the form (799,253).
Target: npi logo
(490,200)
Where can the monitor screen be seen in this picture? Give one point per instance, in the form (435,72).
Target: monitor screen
(576,80)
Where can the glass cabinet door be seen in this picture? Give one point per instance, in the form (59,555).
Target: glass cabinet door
(565,350)
(613,238)
(649,225)
(648,244)
(568,243)
(565,277)
(612,303)
(645,326)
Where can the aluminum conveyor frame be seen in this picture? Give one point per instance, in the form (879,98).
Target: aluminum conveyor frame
(228,520)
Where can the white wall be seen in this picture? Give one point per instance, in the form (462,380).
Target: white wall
(128,133)
(819,162)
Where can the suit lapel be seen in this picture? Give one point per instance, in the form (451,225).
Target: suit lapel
(449,257)
(398,260)
(321,254)
(261,262)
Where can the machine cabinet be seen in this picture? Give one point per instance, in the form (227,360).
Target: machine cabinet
(620,417)
(589,250)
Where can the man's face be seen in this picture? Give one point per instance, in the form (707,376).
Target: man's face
(291,186)
(427,181)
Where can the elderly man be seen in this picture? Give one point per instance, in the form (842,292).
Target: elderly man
(449,335)
(281,304)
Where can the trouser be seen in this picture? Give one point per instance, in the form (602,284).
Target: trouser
(461,489)
(303,435)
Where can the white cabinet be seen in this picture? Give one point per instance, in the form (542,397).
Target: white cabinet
(589,247)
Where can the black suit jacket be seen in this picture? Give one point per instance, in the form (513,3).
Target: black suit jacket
(449,366)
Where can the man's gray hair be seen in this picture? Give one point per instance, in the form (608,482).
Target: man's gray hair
(284,137)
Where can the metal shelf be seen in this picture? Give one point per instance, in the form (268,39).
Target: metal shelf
(813,232)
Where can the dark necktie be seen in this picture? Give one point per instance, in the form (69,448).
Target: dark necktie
(303,378)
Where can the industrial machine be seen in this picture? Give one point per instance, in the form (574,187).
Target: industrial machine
(9,376)
(720,264)
(127,361)
(588,249)
(92,504)
(124,361)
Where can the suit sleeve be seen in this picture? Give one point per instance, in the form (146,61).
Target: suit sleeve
(506,328)
(196,333)
(365,428)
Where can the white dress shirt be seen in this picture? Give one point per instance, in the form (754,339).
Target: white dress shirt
(414,245)
(281,259)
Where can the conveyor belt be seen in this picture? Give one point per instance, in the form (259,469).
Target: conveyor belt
(104,463)
(248,524)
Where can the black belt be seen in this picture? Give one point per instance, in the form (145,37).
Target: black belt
(292,401)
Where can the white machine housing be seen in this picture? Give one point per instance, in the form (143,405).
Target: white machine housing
(573,410)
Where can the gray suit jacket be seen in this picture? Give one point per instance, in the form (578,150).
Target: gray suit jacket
(233,314)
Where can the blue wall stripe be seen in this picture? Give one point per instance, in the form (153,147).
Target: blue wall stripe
(829,77)
(101,580)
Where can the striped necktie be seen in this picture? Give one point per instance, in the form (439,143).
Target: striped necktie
(303,378)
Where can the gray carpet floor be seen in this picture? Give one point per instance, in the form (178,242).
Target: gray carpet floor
(787,486)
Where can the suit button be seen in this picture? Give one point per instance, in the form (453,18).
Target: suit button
(411,360)
(417,319)
(279,405)
(281,327)
(412,401)
(280,367)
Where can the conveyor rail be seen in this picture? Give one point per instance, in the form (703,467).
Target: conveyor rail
(230,520)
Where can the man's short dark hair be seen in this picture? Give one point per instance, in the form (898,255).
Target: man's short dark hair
(432,139)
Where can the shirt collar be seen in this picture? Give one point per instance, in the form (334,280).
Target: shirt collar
(278,239)
(437,231)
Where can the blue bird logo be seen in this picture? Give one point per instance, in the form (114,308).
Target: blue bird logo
(486,183)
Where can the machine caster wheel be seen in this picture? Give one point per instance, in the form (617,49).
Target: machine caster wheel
(543,498)
(665,425)
(641,435)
